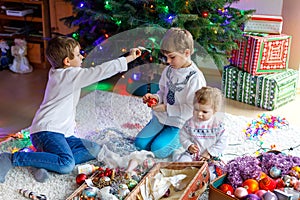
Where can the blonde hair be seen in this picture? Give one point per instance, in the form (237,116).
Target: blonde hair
(59,48)
(177,40)
(209,95)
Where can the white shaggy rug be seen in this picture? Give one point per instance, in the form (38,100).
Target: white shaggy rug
(112,119)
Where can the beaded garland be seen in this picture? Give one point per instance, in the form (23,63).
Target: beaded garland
(264,124)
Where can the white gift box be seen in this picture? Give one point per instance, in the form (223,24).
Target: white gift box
(264,24)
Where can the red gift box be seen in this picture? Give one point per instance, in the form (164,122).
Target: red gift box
(262,54)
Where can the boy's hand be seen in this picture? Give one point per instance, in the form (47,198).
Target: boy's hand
(133,54)
(148,96)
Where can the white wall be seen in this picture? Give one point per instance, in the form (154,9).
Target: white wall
(291,26)
(266,7)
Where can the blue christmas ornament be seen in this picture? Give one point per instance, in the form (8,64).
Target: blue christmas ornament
(275,172)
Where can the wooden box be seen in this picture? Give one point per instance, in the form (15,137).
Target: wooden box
(193,190)
(35,53)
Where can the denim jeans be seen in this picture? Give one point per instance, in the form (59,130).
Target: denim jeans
(56,153)
(161,139)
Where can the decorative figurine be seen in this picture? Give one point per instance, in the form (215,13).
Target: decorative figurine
(20,62)
(5,59)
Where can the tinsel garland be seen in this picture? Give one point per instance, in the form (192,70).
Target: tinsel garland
(249,167)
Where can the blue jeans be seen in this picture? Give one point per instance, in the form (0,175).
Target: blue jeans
(56,153)
(161,139)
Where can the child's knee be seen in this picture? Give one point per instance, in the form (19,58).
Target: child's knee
(161,151)
(141,144)
(66,167)
(94,150)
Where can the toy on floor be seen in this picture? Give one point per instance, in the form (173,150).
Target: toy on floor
(4,60)
(32,195)
(20,62)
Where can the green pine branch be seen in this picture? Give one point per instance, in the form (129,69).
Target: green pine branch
(214,24)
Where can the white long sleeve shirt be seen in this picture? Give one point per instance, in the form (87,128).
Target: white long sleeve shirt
(177,88)
(207,135)
(58,109)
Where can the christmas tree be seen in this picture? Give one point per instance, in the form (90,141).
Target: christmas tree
(214,24)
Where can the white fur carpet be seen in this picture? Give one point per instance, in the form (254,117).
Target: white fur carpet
(112,119)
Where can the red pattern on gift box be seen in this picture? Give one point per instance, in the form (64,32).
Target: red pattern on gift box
(262,54)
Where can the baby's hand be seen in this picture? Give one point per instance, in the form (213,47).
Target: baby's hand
(133,54)
(193,149)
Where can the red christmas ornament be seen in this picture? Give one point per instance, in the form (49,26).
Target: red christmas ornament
(80,178)
(226,188)
(219,171)
(267,183)
(251,185)
(151,102)
(280,183)
(205,14)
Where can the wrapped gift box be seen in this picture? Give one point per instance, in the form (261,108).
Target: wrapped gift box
(262,54)
(268,91)
(264,24)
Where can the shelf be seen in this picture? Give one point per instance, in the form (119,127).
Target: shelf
(28,18)
(24,1)
(34,27)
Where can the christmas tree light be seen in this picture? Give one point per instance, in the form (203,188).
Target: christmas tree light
(214,24)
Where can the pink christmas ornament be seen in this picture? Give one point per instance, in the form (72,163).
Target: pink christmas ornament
(240,192)
(260,193)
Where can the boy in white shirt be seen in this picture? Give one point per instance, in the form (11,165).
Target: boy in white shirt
(177,84)
(54,123)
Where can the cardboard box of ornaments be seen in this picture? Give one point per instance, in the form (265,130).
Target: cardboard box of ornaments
(217,194)
(192,186)
(279,183)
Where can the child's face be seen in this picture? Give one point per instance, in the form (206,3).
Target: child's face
(178,60)
(77,60)
(203,112)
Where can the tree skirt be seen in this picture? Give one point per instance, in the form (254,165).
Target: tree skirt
(112,119)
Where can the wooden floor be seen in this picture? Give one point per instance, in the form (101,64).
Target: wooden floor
(21,94)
